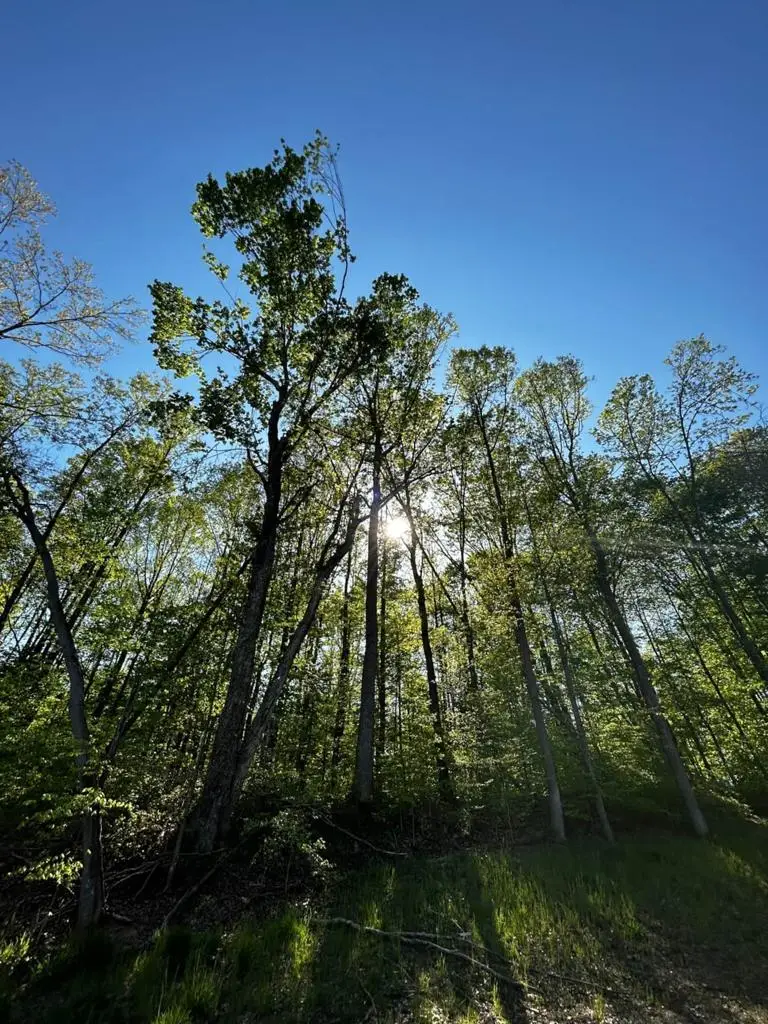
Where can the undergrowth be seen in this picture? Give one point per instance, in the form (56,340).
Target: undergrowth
(645,926)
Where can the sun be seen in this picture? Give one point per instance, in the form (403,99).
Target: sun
(396,528)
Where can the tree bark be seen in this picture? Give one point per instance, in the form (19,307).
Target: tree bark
(647,689)
(211,816)
(91,891)
(441,747)
(362,788)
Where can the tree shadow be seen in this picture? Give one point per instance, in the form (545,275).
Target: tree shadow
(666,921)
(511,997)
(442,901)
(663,922)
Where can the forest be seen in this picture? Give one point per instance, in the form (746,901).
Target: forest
(351,673)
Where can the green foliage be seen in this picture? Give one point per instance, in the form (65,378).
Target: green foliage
(182,531)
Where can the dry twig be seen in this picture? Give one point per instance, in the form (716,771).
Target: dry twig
(359,839)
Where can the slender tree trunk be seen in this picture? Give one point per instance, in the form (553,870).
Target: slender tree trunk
(647,690)
(469,636)
(441,747)
(210,818)
(381,679)
(91,894)
(570,682)
(306,744)
(342,696)
(264,717)
(557,822)
(548,682)
(581,734)
(362,788)
(608,668)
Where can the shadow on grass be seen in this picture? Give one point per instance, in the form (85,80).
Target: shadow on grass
(664,923)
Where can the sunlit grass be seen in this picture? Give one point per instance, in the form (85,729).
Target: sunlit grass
(582,925)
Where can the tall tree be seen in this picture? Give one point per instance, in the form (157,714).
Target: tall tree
(292,354)
(665,441)
(30,452)
(484,380)
(388,401)
(555,400)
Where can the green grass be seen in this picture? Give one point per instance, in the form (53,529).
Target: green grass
(654,924)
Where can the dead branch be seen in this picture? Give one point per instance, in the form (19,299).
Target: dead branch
(359,839)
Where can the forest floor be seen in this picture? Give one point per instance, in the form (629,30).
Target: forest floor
(661,928)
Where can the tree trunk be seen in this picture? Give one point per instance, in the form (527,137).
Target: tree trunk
(381,679)
(211,817)
(647,690)
(441,747)
(342,696)
(469,635)
(557,821)
(362,788)
(570,682)
(581,734)
(264,717)
(91,895)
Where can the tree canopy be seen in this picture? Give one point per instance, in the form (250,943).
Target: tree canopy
(323,555)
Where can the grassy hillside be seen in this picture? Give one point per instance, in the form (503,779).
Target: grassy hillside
(660,928)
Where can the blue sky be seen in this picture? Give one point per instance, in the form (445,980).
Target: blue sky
(562,175)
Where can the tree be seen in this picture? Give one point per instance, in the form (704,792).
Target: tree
(90,422)
(45,301)
(388,402)
(554,396)
(293,353)
(665,441)
(484,379)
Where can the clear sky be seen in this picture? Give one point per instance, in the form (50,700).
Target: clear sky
(562,175)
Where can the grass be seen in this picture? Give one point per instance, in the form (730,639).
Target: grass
(658,928)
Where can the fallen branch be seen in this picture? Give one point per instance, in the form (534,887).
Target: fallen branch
(359,839)
(425,939)
(464,936)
